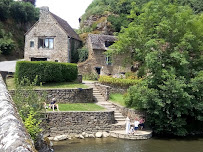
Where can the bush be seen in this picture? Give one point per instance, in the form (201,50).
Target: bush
(46,71)
(90,76)
(118,81)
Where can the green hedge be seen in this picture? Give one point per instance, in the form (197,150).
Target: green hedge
(108,80)
(46,71)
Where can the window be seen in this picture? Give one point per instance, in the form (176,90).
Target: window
(31,43)
(46,43)
(108,60)
(108,43)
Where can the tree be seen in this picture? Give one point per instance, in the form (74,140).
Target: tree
(23,12)
(6,42)
(167,40)
(31,1)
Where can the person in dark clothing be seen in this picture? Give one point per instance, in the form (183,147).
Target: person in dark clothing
(53,104)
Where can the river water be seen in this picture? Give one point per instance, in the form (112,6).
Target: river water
(120,145)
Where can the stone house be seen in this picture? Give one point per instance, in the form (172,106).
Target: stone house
(98,61)
(50,39)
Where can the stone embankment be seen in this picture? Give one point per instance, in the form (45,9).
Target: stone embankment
(61,123)
(13,135)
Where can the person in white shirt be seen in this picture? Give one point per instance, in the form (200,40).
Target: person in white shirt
(136,124)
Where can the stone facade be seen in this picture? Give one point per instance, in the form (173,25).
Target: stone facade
(56,37)
(77,122)
(66,95)
(98,62)
(13,135)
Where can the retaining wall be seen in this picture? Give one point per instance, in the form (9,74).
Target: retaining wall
(13,135)
(107,90)
(77,122)
(66,95)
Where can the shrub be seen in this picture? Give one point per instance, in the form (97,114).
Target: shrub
(90,76)
(118,81)
(46,71)
(31,111)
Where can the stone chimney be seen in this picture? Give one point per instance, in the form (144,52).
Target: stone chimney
(44,12)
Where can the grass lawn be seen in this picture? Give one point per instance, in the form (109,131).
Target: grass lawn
(11,85)
(79,107)
(118,99)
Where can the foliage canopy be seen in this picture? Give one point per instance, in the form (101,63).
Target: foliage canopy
(167,41)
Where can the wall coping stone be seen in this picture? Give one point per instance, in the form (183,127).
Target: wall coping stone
(13,135)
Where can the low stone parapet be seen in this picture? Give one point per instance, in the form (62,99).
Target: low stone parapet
(132,113)
(103,89)
(77,122)
(13,135)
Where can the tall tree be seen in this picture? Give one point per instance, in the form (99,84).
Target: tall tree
(167,40)
(31,1)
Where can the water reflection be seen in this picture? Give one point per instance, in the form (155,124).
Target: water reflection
(120,145)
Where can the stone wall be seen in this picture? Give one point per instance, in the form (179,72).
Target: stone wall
(66,95)
(103,89)
(107,90)
(13,135)
(77,122)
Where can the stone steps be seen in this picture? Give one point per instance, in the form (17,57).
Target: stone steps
(100,100)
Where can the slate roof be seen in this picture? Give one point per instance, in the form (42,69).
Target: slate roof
(98,41)
(66,27)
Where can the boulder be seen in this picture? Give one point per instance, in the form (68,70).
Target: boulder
(61,137)
(106,134)
(91,136)
(81,137)
(98,134)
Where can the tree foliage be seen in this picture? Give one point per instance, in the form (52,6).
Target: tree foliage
(30,106)
(31,1)
(23,12)
(6,42)
(167,40)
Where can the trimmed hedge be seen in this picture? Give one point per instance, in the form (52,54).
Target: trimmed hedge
(108,80)
(46,71)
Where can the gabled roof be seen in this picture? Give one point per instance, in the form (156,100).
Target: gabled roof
(98,40)
(66,27)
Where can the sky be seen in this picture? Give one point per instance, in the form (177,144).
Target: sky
(69,10)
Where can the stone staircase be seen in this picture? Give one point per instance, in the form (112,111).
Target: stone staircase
(99,99)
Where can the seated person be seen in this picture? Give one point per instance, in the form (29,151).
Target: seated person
(45,105)
(136,123)
(53,105)
(142,121)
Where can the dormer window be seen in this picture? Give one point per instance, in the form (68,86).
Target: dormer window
(47,43)
(108,43)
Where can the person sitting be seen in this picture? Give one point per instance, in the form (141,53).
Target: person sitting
(142,121)
(53,104)
(136,123)
(131,130)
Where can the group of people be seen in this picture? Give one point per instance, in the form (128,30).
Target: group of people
(52,105)
(138,123)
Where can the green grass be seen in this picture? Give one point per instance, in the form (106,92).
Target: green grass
(11,85)
(79,107)
(118,99)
